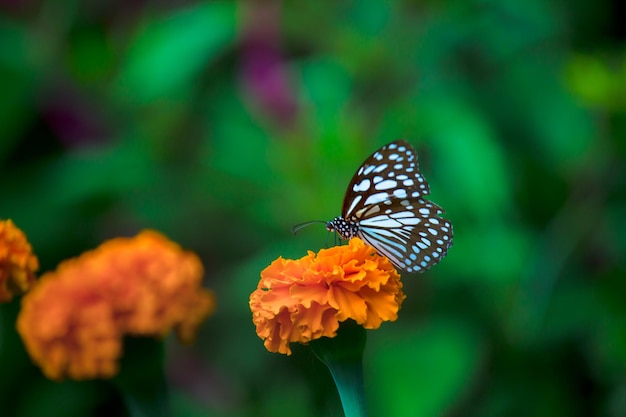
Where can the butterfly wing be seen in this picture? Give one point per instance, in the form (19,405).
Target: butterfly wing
(386,199)
(393,165)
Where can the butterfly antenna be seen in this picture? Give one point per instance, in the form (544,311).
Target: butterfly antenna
(295,229)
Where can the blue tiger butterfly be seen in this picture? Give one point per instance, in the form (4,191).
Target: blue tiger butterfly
(385,206)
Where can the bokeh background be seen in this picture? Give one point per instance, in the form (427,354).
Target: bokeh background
(223,124)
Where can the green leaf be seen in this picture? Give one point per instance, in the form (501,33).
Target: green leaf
(467,157)
(420,371)
(169,51)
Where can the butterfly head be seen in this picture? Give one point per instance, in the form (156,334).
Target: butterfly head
(344,228)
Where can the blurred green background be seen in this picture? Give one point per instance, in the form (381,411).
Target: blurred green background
(223,124)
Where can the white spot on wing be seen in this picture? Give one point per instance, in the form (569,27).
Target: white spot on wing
(362,186)
(385,185)
(376,198)
(399,192)
(411,221)
(381,221)
(369,169)
(380,167)
(354,203)
(402,214)
(372,210)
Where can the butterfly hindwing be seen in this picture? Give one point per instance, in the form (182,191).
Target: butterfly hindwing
(414,239)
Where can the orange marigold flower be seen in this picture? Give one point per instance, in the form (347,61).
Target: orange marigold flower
(17,262)
(305,299)
(74,320)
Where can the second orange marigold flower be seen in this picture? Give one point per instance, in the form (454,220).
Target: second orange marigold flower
(74,320)
(305,299)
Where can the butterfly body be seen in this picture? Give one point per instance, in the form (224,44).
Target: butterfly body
(385,207)
(346,229)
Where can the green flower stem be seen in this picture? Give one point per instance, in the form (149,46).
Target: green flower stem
(141,380)
(343,355)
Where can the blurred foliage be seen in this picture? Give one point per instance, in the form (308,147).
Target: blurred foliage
(223,124)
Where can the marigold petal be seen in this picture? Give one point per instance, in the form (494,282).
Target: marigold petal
(18,264)
(314,322)
(278,333)
(379,309)
(312,293)
(349,305)
(66,337)
(201,306)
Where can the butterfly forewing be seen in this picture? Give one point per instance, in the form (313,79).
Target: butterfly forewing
(385,202)
(391,172)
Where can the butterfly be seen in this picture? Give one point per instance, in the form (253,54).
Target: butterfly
(385,206)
